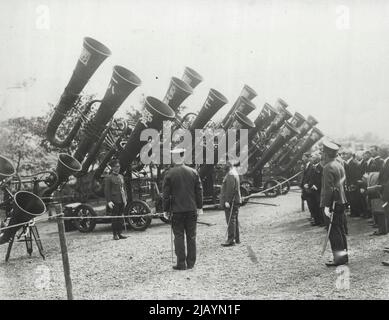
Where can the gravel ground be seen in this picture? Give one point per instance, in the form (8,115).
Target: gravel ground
(279,258)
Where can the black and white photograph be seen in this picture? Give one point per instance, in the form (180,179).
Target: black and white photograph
(212,151)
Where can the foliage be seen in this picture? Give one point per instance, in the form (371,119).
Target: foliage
(24,139)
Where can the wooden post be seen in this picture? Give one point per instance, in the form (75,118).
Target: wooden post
(65,258)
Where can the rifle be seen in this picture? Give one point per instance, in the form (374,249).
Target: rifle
(332,210)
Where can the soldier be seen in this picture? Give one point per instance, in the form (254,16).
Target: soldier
(183,197)
(366,167)
(314,184)
(116,197)
(377,160)
(333,196)
(230,200)
(383,180)
(305,191)
(383,177)
(353,175)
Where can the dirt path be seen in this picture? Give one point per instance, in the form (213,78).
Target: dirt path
(277,259)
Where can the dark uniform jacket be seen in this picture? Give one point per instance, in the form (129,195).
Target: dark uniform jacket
(315,178)
(377,164)
(333,177)
(370,166)
(383,179)
(182,185)
(353,174)
(112,186)
(305,179)
(363,167)
(230,189)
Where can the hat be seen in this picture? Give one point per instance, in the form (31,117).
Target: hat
(330,147)
(177,151)
(308,154)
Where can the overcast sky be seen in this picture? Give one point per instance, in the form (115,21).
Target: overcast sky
(325,58)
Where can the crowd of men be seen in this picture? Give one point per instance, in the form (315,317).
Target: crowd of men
(363,177)
(334,182)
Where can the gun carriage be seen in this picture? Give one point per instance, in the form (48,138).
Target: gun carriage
(275,145)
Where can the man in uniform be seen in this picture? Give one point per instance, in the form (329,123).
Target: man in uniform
(366,167)
(377,162)
(383,180)
(353,175)
(305,191)
(116,197)
(183,198)
(314,185)
(332,200)
(230,200)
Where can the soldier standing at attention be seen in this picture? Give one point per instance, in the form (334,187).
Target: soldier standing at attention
(230,200)
(305,191)
(353,175)
(183,197)
(314,185)
(116,197)
(333,196)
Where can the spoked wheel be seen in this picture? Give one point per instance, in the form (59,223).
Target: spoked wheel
(138,207)
(244,194)
(285,187)
(85,211)
(247,185)
(273,192)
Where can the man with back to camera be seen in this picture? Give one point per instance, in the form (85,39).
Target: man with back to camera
(230,200)
(183,198)
(333,197)
(353,175)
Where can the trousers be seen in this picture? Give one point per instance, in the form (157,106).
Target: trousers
(356,205)
(313,202)
(184,225)
(233,223)
(337,235)
(117,223)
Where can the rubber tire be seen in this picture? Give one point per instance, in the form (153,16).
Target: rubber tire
(140,207)
(244,193)
(268,184)
(247,185)
(92,222)
(284,188)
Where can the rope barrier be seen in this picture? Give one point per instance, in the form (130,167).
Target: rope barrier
(273,187)
(32,222)
(148,215)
